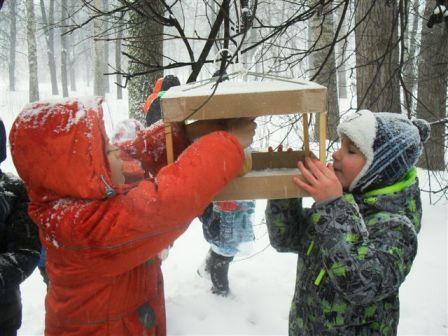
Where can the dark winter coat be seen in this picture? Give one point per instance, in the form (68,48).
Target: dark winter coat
(19,249)
(354,252)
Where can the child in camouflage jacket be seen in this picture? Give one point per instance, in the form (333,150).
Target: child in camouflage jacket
(354,248)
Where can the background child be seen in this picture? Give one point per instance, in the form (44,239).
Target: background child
(227,225)
(354,250)
(102,236)
(19,245)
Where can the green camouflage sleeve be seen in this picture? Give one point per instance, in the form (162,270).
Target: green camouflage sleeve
(366,260)
(286,224)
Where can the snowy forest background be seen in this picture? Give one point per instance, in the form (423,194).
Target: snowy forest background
(379,55)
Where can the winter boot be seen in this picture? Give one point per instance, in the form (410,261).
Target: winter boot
(218,267)
(204,270)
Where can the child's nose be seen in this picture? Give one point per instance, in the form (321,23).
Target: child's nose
(335,155)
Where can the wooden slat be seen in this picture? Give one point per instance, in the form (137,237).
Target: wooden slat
(267,186)
(245,104)
(275,160)
(323,137)
(306,134)
(169,143)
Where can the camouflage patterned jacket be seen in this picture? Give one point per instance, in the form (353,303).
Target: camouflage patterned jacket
(354,252)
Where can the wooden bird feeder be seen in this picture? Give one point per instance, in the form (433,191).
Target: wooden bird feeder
(272,172)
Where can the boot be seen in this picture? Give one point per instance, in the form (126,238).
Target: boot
(204,269)
(218,266)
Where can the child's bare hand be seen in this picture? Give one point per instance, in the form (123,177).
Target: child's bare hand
(243,129)
(319,180)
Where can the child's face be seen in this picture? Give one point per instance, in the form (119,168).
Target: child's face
(348,162)
(115,163)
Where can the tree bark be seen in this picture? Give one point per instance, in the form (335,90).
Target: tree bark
(323,63)
(106,50)
(146,45)
(32,51)
(409,73)
(12,44)
(342,53)
(99,88)
(377,55)
(64,46)
(118,40)
(432,86)
(49,38)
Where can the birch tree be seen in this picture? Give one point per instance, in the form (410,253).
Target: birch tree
(32,51)
(48,27)
(98,86)
(12,44)
(341,62)
(64,47)
(118,41)
(409,71)
(106,49)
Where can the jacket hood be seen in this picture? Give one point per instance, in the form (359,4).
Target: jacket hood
(401,197)
(58,149)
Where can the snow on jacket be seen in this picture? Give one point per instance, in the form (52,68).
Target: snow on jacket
(354,252)
(102,239)
(19,246)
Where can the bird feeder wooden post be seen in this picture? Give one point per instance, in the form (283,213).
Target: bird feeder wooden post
(272,172)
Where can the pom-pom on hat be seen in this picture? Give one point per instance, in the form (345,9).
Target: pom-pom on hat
(2,142)
(390,142)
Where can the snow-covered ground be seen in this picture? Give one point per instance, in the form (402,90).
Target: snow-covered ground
(262,283)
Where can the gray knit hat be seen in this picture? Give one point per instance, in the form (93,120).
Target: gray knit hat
(390,142)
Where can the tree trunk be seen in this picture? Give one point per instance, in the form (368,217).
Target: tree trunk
(99,88)
(12,44)
(377,55)
(323,63)
(118,40)
(64,48)
(432,86)
(146,45)
(342,52)
(106,50)
(409,75)
(49,38)
(72,58)
(32,51)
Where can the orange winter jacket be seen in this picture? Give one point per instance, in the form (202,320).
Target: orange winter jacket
(102,239)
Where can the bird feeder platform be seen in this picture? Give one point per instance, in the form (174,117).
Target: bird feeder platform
(272,172)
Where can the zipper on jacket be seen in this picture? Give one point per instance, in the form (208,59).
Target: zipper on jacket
(110,192)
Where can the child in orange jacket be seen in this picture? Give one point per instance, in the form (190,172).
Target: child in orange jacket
(102,236)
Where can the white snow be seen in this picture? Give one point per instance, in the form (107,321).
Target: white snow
(263,283)
(231,87)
